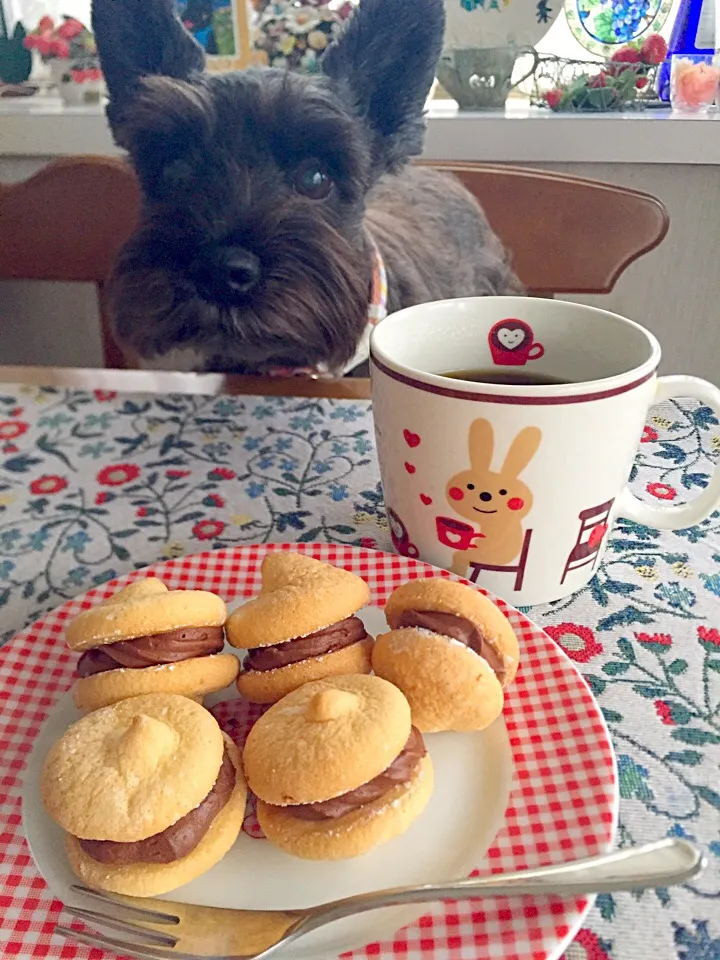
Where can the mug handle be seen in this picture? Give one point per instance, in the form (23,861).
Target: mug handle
(688,514)
(536,60)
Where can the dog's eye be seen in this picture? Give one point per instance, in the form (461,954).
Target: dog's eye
(313,180)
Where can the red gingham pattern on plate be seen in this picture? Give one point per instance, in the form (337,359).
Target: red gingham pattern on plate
(563,804)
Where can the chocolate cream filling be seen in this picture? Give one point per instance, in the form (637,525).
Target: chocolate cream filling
(457,628)
(170,647)
(328,640)
(176,841)
(400,771)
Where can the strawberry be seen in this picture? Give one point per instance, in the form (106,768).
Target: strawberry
(600,80)
(623,59)
(641,83)
(626,55)
(654,49)
(553,98)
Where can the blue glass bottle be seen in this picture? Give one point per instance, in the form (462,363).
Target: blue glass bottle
(693,32)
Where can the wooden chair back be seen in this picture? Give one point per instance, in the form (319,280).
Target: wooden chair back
(67,223)
(567,235)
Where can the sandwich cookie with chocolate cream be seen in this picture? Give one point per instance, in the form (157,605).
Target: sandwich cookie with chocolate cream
(148,639)
(149,791)
(337,768)
(450,650)
(301,627)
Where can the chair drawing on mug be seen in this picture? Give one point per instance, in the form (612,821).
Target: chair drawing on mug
(518,569)
(593,527)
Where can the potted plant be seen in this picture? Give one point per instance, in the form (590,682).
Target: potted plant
(70,51)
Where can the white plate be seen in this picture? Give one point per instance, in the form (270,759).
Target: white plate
(473,774)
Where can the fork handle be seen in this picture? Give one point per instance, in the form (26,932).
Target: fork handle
(659,864)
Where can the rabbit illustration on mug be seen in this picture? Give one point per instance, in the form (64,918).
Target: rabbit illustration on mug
(496,501)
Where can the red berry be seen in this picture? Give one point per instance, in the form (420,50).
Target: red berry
(654,49)
(553,98)
(641,82)
(598,81)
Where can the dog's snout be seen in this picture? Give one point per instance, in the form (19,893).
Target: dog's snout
(485,496)
(243,268)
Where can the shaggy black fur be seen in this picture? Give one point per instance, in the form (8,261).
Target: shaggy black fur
(261,189)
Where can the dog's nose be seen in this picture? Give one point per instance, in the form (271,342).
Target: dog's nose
(243,268)
(485,496)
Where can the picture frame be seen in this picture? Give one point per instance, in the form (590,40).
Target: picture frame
(223,29)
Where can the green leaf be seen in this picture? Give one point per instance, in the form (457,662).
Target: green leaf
(341,528)
(282,492)
(625,618)
(120,552)
(606,904)
(612,716)
(309,536)
(690,758)
(626,649)
(187,517)
(663,895)
(596,684)
(123,533)
(648,691)
(709,796)
(714,665)
(697,738)
(615,667)
(677,667)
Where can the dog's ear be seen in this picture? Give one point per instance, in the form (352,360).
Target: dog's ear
(139,38)
(385,63)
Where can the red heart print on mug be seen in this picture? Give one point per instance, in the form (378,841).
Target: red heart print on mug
(411,439)
(511,343)
(410,467)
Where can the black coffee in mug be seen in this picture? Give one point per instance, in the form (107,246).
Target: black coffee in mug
(514,378)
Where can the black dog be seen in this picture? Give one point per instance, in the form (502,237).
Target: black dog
(272,199)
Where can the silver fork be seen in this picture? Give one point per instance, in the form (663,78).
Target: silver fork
(165,929)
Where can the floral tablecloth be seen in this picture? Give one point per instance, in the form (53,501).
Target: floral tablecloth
(93,485)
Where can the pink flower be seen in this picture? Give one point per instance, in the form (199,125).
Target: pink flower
(662,709)
(46,24)
(48,483)
(104,395)
(208,529)
(709,637)
(215,500)
(662,491)
(577,641)
(11,430)
(70,29)
(654,639)
(61,48)
(16,411)
(103,497)
(368,543)
(44,46)
(649,435)
(177,474)
(222,473)
(141,512)
(119,473)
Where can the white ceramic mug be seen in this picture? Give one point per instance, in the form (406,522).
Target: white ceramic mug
(516,487)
